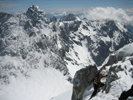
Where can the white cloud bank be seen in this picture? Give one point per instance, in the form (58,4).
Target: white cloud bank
(102,13)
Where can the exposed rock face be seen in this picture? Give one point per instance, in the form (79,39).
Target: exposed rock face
(131,60)
(82,80)
(35,13)
(112,59)
(53,19)
(4,17)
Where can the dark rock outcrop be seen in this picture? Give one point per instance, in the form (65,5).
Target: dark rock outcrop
(53,19)
(82,80)
(4,17)
(126,94)
(112,59)
(68,17)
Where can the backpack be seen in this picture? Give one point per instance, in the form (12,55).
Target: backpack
(96,79)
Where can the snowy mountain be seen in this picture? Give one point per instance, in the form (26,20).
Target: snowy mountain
(29,57)
(41,56)
(90,42)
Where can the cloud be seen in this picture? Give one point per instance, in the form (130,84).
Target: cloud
(102,13)
(74,10)
(59,14)
(123,15)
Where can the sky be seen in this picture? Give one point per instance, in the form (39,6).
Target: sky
(59,6)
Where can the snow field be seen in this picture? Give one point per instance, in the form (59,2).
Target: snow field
(41,84)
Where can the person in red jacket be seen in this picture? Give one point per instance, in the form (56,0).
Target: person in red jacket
(97,83)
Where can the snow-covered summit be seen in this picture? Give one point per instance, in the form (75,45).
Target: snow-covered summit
(34,9)
(35,13)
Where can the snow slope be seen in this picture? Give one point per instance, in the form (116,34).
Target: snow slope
(125,51)
(38,84)
(64,96)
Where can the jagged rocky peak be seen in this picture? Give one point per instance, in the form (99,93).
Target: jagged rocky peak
(4,16)
(110,25)
(33,9)
(35,13)
(53,19)
(69,17)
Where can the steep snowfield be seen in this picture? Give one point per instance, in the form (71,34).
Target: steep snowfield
(81,58)
(125,51)
(39,84)
(64,96)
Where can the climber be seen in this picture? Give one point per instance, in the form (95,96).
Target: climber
(97,83)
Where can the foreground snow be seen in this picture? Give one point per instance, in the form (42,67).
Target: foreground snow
(64,96)
(43,84)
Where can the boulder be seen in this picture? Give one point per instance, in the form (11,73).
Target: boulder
(112,59)
(82,80)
